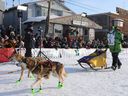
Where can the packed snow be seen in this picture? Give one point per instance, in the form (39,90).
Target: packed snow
(79,82)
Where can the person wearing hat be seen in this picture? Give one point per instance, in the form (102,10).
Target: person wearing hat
(28,40)
(115,39)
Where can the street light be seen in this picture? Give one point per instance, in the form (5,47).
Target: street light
(20,15)
(20,9)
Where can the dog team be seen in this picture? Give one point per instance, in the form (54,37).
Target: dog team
(40,67)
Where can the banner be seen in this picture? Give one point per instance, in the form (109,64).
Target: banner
(5,54)
(64,55)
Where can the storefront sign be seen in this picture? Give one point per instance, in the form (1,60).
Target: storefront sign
(81,23)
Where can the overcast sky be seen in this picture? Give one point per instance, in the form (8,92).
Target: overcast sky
(88,6)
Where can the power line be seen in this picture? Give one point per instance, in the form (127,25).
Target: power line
(87,5)
(82,7)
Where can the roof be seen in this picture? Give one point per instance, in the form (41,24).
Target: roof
(13,8)
(76,21)
(1,10)
(67,20)
(106,13)
(38,19)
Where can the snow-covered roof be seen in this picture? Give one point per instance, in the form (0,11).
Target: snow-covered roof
(39,18)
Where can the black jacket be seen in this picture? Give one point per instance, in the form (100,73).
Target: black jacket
(28,40)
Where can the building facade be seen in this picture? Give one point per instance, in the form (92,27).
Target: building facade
(2,8)
(106,21)
(73,26)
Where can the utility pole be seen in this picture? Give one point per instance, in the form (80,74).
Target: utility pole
(13,3)
(19,2)
(48,17)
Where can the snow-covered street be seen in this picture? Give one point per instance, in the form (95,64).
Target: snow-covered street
(79,82)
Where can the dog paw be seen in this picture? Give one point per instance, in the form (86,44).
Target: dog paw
(40,91)
(36,91)
(18,81)
(33,91)
(60,85)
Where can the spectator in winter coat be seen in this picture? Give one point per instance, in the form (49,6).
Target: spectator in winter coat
(28,40)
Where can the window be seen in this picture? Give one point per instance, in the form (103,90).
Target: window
(58,31)
(44,12)
(56,12)
(58,28)
(38,11)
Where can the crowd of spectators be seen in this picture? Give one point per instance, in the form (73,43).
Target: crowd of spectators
(47,42)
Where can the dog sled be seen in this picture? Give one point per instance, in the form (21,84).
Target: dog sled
(96,60)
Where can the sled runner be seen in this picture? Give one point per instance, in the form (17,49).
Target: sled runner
(95,60)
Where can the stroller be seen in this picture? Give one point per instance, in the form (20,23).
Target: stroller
(95,60)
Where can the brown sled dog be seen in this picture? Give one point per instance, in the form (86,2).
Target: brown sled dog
(25,62)
(43,69)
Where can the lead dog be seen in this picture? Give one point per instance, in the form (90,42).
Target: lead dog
(25,62)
